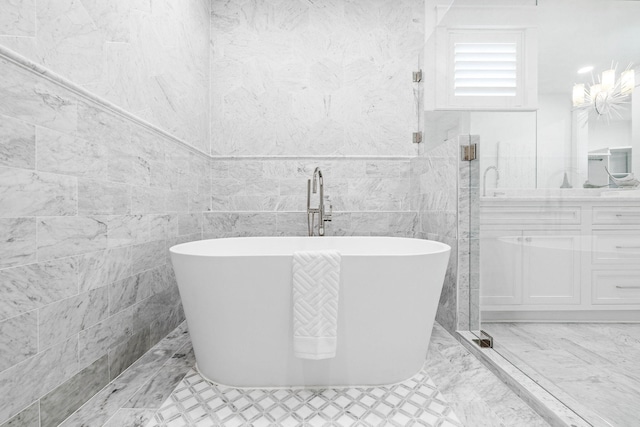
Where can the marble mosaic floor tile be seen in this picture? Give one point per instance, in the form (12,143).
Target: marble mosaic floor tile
(197,402)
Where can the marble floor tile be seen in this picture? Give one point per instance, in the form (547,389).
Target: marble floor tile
(467,394)
(466,388)
(130,417)
(158,389)
(476,395)
(416,401)
(591,367)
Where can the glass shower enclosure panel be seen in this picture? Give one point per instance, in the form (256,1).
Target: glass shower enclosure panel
(468,228)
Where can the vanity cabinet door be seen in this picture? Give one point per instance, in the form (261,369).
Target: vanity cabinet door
(551,267)
(501,267)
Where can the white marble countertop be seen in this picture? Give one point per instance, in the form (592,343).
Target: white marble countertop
(613,195)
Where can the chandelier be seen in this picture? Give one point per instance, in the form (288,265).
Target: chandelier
(608,96)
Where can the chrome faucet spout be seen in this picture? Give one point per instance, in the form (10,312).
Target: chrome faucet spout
(317,175)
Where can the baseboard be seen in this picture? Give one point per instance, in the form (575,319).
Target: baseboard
(600,316)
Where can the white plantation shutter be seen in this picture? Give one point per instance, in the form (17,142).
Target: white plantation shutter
(485,69)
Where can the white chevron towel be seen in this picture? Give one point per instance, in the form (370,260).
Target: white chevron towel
(316,281)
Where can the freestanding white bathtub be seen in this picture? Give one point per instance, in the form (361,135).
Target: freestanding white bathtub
(236,294)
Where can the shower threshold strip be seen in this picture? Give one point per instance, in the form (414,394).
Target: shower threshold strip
(543,398)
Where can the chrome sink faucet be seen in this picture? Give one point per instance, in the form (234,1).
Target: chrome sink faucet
(320,210)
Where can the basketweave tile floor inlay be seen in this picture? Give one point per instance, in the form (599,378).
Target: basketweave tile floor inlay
(197,402)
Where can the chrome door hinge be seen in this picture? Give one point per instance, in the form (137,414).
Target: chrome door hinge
(417,137)
(469,152)
(417,76)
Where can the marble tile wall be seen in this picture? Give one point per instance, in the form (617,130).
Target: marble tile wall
(268,197)
(90,202)
(314,78)
(300,84)
(150,58)
(441,200)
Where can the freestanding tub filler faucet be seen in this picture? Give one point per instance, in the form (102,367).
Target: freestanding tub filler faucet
(320,210)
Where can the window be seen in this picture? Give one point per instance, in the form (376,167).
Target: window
(486,69)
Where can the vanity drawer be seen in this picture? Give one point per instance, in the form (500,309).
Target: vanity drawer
(616,247)
(604,215)
(616,287)
(530,215)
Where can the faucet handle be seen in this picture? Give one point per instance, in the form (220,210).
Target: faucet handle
(327,216)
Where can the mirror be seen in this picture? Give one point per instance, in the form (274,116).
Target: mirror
(565,137)
(577,133)
(579,42)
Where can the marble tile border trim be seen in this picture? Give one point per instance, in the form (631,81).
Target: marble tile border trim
(46,73)
(307,156)
(552,410)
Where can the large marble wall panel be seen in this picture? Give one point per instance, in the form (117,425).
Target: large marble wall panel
(90,202)
(151,61)
(36,101)
(296,85)
(17,18)
(314,78)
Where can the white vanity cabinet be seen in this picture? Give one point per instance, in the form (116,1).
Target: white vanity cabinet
(551,267)
(530,267)
(559,259)
(501,267)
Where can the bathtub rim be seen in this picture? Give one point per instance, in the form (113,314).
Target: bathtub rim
(436,247)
